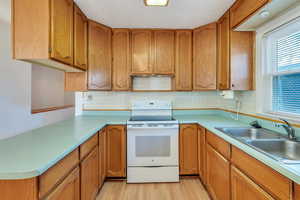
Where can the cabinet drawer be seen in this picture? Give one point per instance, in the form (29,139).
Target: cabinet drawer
(68,189)
(56,173)
(88,146)
(219,144)
(273,182)
(244,188)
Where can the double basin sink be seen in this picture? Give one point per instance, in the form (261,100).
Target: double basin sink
(268,142)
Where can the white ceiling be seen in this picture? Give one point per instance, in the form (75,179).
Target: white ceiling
(134,14)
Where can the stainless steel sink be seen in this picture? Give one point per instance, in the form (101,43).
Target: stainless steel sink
(250,133)
(268,142)
(283,150)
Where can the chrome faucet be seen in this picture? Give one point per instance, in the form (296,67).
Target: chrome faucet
(255,124)
(289,129)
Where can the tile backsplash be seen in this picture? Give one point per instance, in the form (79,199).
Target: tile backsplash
(122,100)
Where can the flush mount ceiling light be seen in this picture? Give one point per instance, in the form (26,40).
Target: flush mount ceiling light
(264,14)
(156,2)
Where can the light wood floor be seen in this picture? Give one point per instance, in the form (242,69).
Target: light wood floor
(187,189)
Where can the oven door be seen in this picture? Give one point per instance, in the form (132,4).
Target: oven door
(152,146)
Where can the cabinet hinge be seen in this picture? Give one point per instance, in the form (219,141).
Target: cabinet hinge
(50,50)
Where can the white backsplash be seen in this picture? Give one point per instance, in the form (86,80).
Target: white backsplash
(152,83)
(122,100)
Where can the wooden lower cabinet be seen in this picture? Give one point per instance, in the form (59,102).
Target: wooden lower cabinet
(244,188)
(69,189)
(53,176)
(102,157)
(270,180)
(89,176)
(26,189)
(188,148)
(202,154)
(296,191)
(218,174)
(116,151)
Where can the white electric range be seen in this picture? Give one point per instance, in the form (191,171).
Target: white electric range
(152,143)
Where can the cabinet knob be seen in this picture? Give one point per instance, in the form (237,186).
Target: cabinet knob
(232,85)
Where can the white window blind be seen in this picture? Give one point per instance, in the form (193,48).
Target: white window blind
(286,72)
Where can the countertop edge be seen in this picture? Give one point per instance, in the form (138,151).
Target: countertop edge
(275,165)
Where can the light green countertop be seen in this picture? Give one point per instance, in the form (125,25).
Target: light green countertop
(292,171)
(32,153)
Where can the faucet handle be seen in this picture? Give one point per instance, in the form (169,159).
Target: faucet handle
(255,124)
(285,121)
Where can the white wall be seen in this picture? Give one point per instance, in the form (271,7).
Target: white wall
(15,88)
(47,88)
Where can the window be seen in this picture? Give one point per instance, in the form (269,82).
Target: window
(283,61)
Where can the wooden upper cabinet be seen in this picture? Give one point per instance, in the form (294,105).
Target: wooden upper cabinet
(99,57)
(80,38)
(62,30)
(121,60)
(42,32)
(76,81)
(243,9)
(188,148)
(68,189)
(244,188)
(116,151)
(141,42)
(164,51)
(224,52)
(205,57)
(183,60)
(235,60)
(90,175)
(218,174)
(242,60)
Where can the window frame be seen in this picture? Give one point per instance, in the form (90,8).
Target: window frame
(269,68)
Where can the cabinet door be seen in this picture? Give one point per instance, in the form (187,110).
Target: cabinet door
(99,57)
(90,176)
(80,38)
(241,66)
(116,151)
(141,51)
(224,53)
(183,61)
(205,57)
(242,9)
(202,154)
(102,156)
(121,61)
(62,30)
(296,191)
(244,188)
(68,189)
(164,52)
(218,174)
(188,146)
